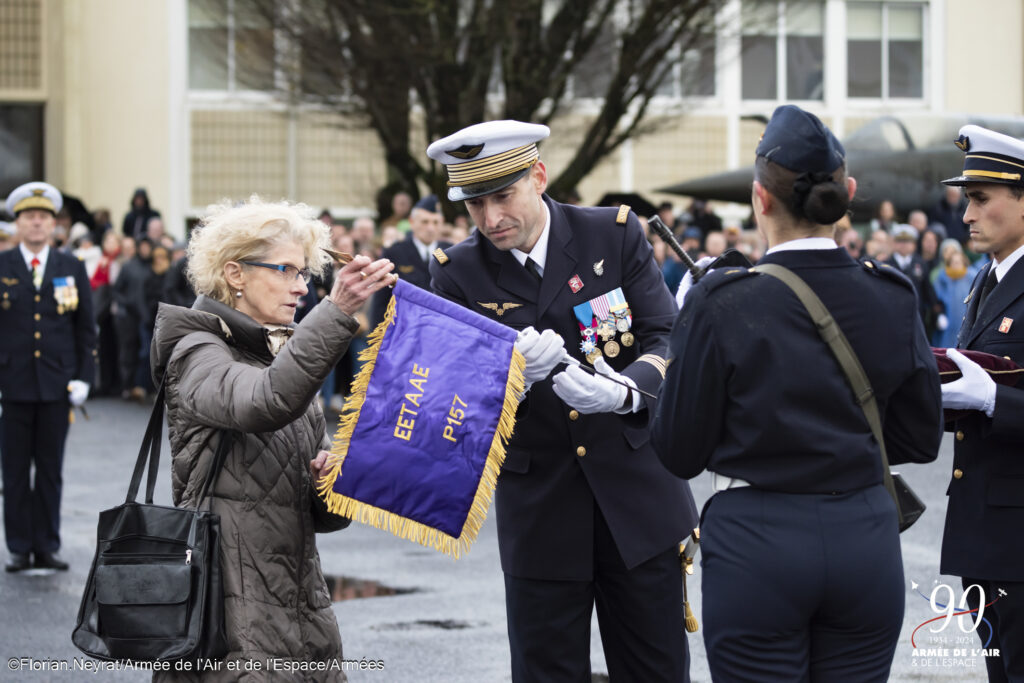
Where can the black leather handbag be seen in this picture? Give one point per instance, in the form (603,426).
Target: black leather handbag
(154,591)
(909,507)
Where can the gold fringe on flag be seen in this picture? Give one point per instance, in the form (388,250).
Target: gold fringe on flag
(400,526)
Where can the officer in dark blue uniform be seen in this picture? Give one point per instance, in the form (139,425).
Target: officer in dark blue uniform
(985,514)
(802,573)
(46,366)
(586,513)
(411,256)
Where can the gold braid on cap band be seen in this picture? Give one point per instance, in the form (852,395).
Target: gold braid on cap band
(35,202)
(493,167)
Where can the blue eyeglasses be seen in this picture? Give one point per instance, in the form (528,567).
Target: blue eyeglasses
(289,272)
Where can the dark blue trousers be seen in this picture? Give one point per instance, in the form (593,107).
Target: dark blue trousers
(33,435)
(801,587)
(639,612)
(1006,615)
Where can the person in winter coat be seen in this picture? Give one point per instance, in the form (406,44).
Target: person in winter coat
(235,362)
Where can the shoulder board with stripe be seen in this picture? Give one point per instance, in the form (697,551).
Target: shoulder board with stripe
(887,271)
(623,214)
(723,276)
(441,257)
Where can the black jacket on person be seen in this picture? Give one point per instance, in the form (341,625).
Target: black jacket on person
(409,266)
(130,289)
(177,289)
(753,392)
(919,274)
(952,217)
(134,224)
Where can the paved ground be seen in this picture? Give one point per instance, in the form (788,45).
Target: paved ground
(451,629)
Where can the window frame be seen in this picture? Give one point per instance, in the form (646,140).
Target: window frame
(885,100)
(233,90)
(781,35)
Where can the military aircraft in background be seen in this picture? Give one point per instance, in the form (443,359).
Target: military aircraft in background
(901,158)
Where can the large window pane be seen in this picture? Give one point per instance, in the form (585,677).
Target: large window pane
(759,61)
(21,145)
(864,68)
(760,68)
(906,52)
(254,46)
(698,68)
(864,50)
(208,44)
(805,58)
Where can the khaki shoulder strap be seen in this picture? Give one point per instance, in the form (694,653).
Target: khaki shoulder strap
(829,330)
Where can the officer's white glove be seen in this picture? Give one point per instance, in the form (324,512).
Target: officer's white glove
(542,351)
(975,390)
(942,323)
(687,282)
(593,393)
(78,391)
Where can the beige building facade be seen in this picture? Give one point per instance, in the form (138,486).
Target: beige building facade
(102,96)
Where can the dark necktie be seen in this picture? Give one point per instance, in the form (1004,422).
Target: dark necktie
(533,269)
(990,284)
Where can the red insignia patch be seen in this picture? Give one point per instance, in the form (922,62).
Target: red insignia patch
(575,283)
(1004,327)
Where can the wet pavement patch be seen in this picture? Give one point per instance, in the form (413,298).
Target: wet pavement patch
(349,588)
(443,624)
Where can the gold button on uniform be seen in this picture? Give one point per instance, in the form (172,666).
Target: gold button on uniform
(38,317)
(581,451)
(960,436)
(574,414)
(958,473)
(38,335)
(37,354)
(38,298)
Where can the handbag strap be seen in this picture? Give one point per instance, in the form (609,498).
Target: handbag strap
(829,330)
(151,443)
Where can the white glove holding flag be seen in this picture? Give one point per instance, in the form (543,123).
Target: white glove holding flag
(687,282)
(975,390)
(542,351)
(591,394)
(78,391)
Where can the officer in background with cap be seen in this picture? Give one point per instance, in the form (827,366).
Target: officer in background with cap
(985,514)
(46,365)
(585,511)
(906,259)
(802,574)
(411,256)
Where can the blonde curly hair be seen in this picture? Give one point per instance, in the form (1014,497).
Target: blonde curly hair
(247,232)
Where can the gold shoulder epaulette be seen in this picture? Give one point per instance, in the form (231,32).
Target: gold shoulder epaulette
(623,214)
(441,257)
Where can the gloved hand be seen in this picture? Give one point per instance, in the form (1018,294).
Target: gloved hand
(542,351)
(78,391)
(687,282)
(592,393)
(942,322)
(975,390)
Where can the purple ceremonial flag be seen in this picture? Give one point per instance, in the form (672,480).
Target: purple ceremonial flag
(422,439)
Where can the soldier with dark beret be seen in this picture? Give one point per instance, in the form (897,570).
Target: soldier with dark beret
(802,574)
(586,514)
(46,365)
(986,491)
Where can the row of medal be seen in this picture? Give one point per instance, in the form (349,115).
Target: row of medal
(600,319)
